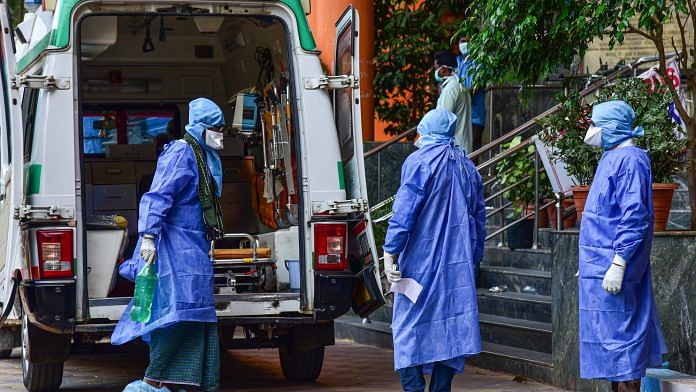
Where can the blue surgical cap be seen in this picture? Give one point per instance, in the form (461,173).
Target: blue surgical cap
(205,114)
(616,120)
(437,127)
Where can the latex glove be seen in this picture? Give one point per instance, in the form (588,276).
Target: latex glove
(614,276)
(147,249)
(393,274)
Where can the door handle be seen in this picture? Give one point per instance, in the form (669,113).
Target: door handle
(113,171)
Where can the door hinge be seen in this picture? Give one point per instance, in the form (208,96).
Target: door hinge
(340,207)
(331,82)
(49,213)
(40,82)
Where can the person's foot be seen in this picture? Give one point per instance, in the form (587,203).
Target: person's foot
(144,386)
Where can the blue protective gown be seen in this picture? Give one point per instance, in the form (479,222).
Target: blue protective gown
(620,334)
(438,230)
(172,212)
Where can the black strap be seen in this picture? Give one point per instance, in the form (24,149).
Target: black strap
(207,192)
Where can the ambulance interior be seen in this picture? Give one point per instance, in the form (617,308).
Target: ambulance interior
(138,73)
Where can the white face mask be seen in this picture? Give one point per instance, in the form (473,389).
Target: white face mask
(464,48)
(593,137)
(214,139)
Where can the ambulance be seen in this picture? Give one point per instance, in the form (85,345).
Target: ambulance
(91,93)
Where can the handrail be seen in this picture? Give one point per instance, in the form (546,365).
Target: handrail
(389,142)
(499,157)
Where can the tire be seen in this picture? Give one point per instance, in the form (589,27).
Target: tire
(38,377)
(5,353)
(304,366)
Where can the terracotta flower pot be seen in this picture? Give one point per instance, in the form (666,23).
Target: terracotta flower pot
(662,203)
(543,215)
(568,222)
(580,197)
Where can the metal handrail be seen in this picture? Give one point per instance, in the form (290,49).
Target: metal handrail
(389,142)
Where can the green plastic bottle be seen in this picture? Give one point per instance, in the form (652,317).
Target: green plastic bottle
(144,293)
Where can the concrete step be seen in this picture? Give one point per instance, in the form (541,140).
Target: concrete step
(520,362)
(525,334)
(374,333)
(532,307)
(532,259)
(516,279)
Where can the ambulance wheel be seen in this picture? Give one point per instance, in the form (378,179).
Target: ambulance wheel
(300,365)
(38,377)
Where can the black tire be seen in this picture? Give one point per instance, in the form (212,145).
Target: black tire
(38,377)
(302,366)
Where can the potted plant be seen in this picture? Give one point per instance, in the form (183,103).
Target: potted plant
(664,140)
(517,172)
(564,130)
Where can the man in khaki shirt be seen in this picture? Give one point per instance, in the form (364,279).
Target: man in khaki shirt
(454,97)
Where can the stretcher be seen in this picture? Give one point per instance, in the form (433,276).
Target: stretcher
(247,268)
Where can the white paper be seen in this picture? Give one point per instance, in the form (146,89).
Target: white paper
(408,287)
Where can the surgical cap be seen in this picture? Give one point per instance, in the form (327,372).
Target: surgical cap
(616,120)
(437,127)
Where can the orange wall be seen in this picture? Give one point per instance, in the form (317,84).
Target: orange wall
(322,20)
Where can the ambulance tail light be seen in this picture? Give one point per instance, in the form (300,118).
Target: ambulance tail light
(55,251)
(330,246)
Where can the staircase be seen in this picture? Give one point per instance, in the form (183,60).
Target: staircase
(516,324)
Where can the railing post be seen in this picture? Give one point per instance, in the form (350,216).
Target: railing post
(535,244)
(379,176)
(559,210)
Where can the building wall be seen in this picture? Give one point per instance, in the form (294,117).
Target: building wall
(634,47)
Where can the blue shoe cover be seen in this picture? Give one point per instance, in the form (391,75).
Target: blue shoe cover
(142,386)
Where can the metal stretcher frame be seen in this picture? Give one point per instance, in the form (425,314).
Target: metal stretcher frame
(254,260)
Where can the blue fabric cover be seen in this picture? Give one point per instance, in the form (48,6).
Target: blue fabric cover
(616,120)
(438,229)
(478,100)
(436,127)
(171,211)
(620,334)
(204,114)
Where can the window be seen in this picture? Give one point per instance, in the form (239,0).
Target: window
(101,128)
(30,100)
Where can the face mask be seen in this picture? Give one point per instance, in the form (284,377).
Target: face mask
(464,48)
(417,144)
(214,139)
(439,79)
(593,137)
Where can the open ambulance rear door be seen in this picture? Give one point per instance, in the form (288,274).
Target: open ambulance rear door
(11,169)
(368,295)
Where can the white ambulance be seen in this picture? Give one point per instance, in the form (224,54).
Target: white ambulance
(92,91)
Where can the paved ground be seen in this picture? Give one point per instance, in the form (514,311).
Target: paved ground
(347,367)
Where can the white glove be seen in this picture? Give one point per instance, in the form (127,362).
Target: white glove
(614,276)
(147,249)
(393,274)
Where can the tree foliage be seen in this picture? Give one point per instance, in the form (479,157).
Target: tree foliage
(407,34)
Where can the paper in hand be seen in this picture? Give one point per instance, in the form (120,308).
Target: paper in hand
(408,287)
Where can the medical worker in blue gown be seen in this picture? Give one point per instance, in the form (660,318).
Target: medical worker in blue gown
(620,332)
(438,232)
(178,217)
